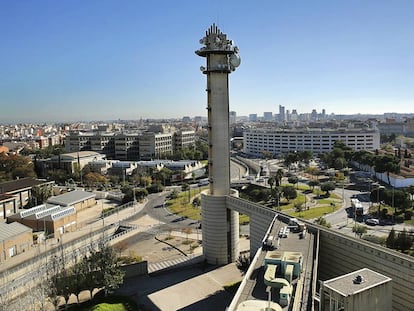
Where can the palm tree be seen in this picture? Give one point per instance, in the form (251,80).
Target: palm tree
(278,177)
(40,194)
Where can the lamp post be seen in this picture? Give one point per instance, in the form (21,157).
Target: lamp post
(378,200)
(393,207)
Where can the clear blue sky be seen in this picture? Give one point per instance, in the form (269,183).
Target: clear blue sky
(98,60)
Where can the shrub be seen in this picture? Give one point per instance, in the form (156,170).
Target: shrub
(374,239)
(131,258)
(408,215)
(399,219)
(243,263)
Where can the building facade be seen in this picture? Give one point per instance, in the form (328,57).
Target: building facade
(154,146)
(131,146)
(183,139)
(279,141)
(15,238)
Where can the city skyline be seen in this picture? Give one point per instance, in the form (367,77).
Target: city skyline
(72,61)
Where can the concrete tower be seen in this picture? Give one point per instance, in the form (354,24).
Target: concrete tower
(219,224)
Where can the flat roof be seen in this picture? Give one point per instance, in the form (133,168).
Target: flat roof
(345,286)
(285,247)
(71,198)
(8,231)
(20,184)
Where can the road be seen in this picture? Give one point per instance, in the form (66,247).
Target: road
(344,224)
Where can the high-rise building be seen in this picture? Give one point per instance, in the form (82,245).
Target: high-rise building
(314,114)
(282,113)
(268,116)
(232,117)
(253,117)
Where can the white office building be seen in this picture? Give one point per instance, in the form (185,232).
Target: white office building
(279,141)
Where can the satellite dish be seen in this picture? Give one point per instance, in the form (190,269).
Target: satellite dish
(235,60)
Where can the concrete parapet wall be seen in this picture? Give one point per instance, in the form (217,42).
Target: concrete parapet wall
(260,219)
(135,269)
(340,254)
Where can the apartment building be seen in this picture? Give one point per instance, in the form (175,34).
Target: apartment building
(154,146)
(130,146)
(279,141)
(127,147)
(183,139)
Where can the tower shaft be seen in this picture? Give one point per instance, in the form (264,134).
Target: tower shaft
(220,225)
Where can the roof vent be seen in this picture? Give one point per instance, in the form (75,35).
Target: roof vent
(358,279)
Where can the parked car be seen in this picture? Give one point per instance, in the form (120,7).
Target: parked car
(372,221)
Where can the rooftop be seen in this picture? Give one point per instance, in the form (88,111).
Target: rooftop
(8,231)
(71,198)
(20,184)
(291,248)
(345,285)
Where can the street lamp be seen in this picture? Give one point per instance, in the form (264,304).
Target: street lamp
(378,200)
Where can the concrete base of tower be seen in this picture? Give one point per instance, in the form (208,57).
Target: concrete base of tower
(220,227)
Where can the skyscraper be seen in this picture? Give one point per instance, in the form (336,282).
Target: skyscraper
(282,116)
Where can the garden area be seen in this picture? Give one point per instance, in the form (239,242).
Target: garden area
(300,201)
(297,201)
(187,204)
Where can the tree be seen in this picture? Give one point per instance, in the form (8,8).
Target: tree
(387,164)
(185,187)
(92,179)
(293,180)
(146,181)
(313,183)
(322,222)
(289,193)
(39,194)
(298,206)
(290,158)
(15,166)
(267,154)
(275,194)
(155,187)
(278,177)
(187,231)
(121,246)
(140,194)
(305,156)
(243,263)
(312,170)
(108,272)
(340,163)
(327,186)
(163,176)
(359,230)
(403,241)
(55,268)
(59,176)
(128,192)
(390,241)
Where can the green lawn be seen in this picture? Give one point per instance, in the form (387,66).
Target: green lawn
(109,307)
(109,303)
(313,212)
(182,207)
